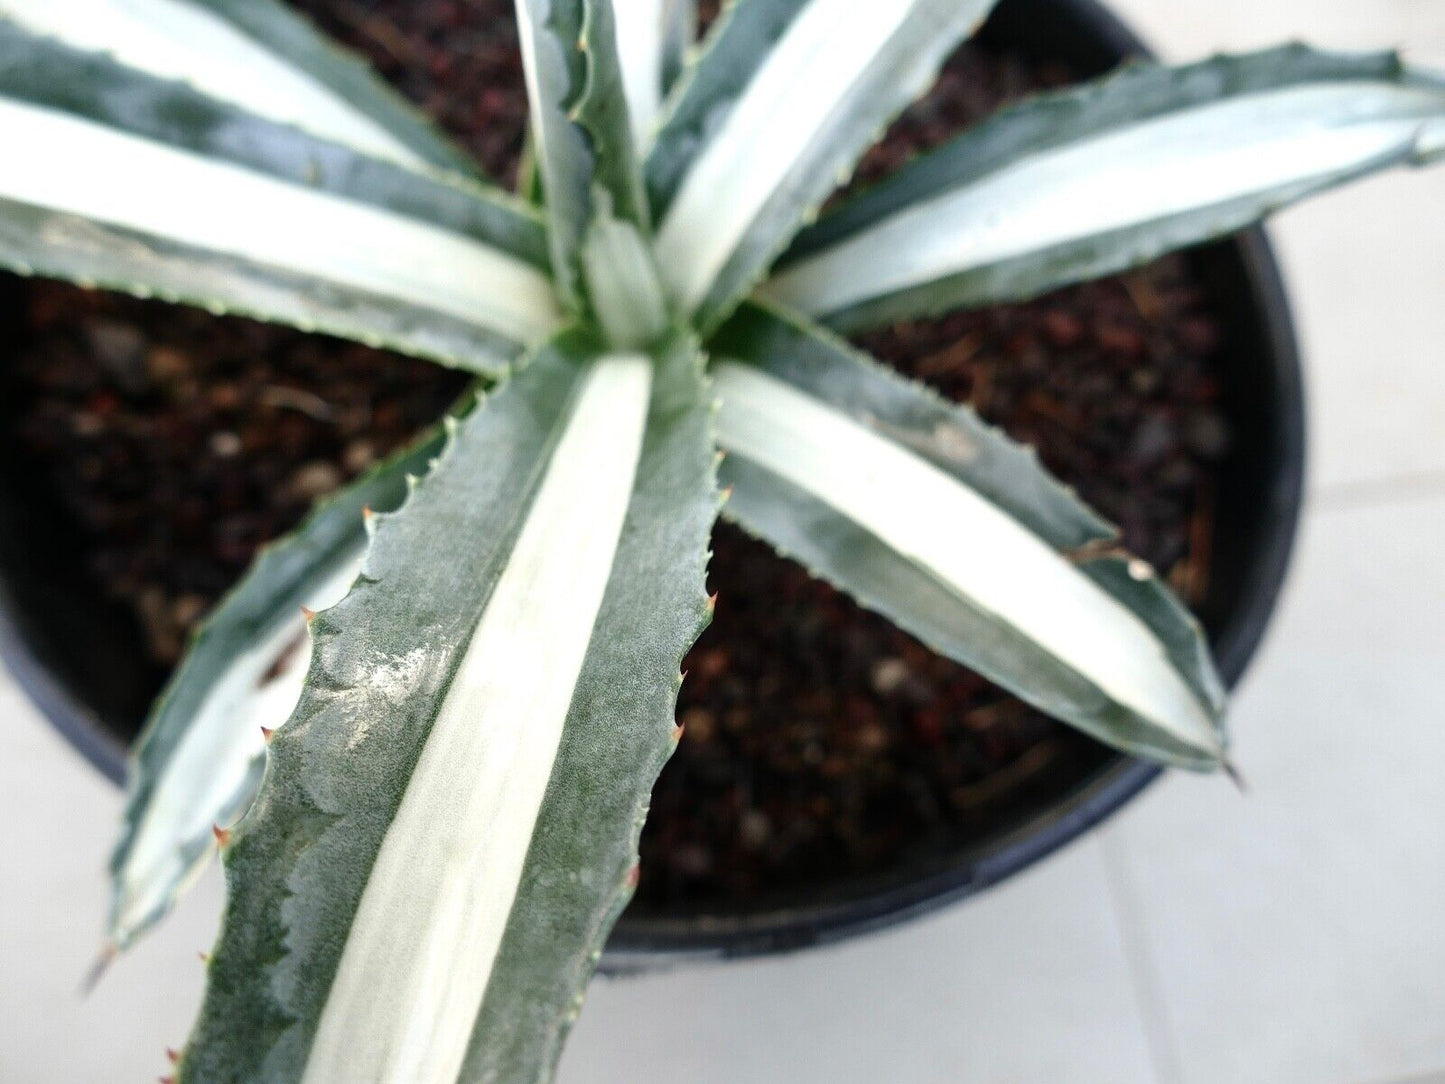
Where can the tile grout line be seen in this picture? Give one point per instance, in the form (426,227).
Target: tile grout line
(1159,1035)
(1429,1076)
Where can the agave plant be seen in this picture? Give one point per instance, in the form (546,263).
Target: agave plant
(424,861)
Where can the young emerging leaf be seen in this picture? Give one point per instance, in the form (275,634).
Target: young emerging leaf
(776,113)
(925,514)
(581,132)
(257,54)
(198,761)
(1099,178)
(448,826)
(653,37)
(205,204)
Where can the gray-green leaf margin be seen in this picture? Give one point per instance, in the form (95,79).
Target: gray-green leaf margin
(264,607)
(299,861)
(1379,112)
(213,44)
(784,99)
(952,439)
(91,99)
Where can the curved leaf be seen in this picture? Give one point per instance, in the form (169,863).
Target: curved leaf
(448,825)
(198,761)
(1107,176)
(921,512)
(775,114)
(205,204)
(259,55)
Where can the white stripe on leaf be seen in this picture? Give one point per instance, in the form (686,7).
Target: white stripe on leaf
(205,780)
(641,40)
(653,37)
(439,897)
(225,209)
(814,101)
(970,545)
(1245,156)
(581,126)
(173,39)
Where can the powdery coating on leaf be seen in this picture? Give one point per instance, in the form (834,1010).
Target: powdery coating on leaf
(439,896)
(946,441)
(198,762)
(302,864)
(393,678)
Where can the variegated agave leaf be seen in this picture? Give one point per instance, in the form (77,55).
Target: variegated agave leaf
(257,54)
(205,204)
(653,37)
(199,759)
(581,130)
(653,40)
(778,109)
(920,511)
(1096,179)
(448,826)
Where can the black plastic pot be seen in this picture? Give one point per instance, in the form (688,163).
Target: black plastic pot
(78,658)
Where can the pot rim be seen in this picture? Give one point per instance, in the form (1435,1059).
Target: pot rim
(649,942)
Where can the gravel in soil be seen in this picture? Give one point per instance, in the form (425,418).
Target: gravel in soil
(821,743)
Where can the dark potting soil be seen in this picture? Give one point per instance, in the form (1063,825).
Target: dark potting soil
(821,743)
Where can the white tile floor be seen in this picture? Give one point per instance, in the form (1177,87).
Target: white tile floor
(1291,937)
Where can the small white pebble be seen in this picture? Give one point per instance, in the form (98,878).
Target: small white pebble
(225,444)
(888,675)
